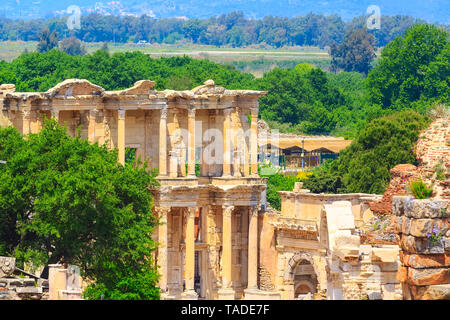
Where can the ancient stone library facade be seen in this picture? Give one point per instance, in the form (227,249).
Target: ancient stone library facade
(217,240)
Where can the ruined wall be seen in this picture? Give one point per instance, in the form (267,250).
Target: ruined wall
(424,231)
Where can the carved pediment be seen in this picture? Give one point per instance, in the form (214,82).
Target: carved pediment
(140,87)
(208,87)
(75,87)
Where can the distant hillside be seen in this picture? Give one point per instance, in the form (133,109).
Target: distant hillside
(430,10)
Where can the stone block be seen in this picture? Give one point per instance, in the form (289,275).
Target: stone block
(447,244)
(422,227)
(396,223)
(406,225)
(29,290)
(433,292)
(426,208)
(389,266)
(347,241)
(374,295)
(402,274)
(424,277)
(397,205)
(388,254)
(421,261)
(420,245)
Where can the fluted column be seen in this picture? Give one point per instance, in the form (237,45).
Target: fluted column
(162,248)
(120,134)
(227,154)
(163,143)
(227,292)
(26,115)
(191,143)
(253,248)
(189,270)
(254,142)
(91,127)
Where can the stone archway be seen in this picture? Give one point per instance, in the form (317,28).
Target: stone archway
(301,275)
(294,261)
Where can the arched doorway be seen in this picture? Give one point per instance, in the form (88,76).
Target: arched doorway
(305,279)
(302,275)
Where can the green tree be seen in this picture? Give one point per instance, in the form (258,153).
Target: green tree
(365,165)
(47,41)
(413,70)
(73,46)
(355,53)
(65,200)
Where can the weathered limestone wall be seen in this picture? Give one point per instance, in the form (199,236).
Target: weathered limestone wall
(432,150)
(355,271)
(424,231)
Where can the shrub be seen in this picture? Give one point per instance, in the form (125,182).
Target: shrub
(420,190)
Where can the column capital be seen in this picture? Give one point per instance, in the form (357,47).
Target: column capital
(254,111)
(162,211)
(191,112)
(191,211)
(164,112)
(94,112)
(26,113)
(120,113)
(227,210)
(227,111)
(254,210)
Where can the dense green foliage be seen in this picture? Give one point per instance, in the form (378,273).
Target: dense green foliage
(365,165)
(307,98)
(278,182)
(231,29)
(420,190)
(65,200)
(413,71)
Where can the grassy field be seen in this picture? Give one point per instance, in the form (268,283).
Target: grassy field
(255,60)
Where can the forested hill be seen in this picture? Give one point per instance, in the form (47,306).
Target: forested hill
(233,29)
(430,10)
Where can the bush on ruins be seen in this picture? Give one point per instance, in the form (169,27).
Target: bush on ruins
(63,200)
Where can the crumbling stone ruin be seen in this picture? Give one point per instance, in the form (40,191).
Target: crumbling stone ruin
(15,286)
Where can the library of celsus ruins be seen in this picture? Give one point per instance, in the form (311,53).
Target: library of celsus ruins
(218,239)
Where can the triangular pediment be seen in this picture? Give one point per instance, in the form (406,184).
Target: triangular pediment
(140,87)
(75,87)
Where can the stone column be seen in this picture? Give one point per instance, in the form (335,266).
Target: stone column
(227,143)
(26,115)
(191,143)
(120,134)
(227,292)
(253,248)
(55,115)
(162,248)
(254,142)
(189,293)
(163,143)
(91,128)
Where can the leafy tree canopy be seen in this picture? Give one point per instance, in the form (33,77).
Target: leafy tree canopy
(65,200)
